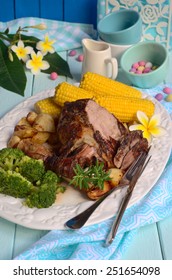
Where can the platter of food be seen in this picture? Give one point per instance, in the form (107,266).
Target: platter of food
(72,201)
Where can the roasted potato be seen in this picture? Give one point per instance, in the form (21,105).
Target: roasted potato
(44,122)
(115,175)
(95,193)
(31,116)
(40,137)
(23,121)
(13,142)
(24,131)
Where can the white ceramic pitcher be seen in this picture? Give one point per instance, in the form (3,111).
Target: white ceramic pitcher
(98,59)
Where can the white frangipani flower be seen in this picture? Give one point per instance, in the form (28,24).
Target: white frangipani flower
(36,63)
(150,127)
(46,45)
(21,51)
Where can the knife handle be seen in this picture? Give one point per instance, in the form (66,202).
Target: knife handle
(117,221)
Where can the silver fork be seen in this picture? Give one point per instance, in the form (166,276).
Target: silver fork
(79,220)
(125,201)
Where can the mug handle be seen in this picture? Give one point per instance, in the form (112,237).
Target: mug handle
(114,63)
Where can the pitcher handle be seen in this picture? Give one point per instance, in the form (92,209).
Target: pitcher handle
(114,63)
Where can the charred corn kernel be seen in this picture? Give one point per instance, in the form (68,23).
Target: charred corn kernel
(67,92)
(125,108)
(101,85)
(47,106)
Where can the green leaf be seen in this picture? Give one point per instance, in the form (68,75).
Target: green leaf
(12,74)
(57,64)
(7,30)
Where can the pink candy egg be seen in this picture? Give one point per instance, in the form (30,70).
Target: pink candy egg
(142,63)
(147,70)
(135,65)
(53,76)
(80,57)
(167,90)
(72,53)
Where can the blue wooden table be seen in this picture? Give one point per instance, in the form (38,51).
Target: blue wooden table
(152,242)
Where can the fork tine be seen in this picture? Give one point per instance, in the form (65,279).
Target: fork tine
(134,166)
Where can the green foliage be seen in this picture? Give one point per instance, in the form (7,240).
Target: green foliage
(12,74)
(12,70)
(57,64)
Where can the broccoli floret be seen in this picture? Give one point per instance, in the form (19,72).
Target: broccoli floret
(13,184)
(50,178)
(60,189)
(10,158)
(25,177)
(42,197)
(3,180)
(32,169)
(45,194)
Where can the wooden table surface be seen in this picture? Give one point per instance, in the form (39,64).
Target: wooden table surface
(153,242)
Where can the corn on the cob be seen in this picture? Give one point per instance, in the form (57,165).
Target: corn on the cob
(101,85)
(125,108)
(67,92)
(47,106)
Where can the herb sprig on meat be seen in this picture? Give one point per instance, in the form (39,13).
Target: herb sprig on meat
(94,175)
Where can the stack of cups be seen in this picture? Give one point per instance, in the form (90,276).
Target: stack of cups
(120,29)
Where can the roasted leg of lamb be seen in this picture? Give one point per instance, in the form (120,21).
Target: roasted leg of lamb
(88,132)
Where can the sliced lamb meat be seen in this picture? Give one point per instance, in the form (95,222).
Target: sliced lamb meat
(85,156)
(130,148)
(84,121)
(87,132)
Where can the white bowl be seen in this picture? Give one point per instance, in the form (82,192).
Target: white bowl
(117,50)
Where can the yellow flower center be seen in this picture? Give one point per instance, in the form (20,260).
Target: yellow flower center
(21,52)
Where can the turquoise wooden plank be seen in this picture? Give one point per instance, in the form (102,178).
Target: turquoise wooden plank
(83,11)
(24,238)
(6,10)
(51,10)
(145,245)
(75,66)
(165,230)
(27,8)
(7,235)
